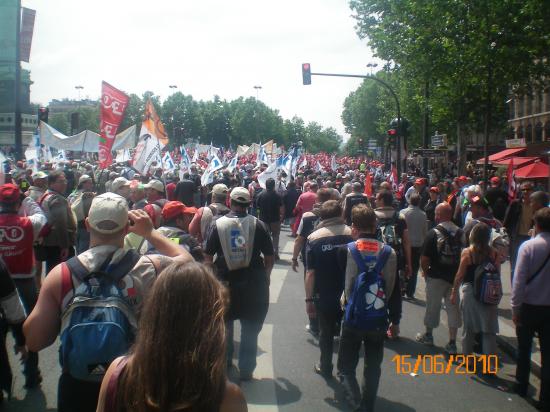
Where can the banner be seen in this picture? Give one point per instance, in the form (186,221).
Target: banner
(154,125)
(122,156)
(113,105)
(270,172)
(368,184)
(147,151)
(25,34)
(168,164)
(208,175)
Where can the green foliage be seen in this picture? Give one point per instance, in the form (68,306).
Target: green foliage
(60,122)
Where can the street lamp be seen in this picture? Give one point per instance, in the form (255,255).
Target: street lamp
(79,88)
(258,88)
(173,86)
(372,66)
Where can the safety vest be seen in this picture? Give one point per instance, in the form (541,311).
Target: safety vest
(16,245)
(237,240)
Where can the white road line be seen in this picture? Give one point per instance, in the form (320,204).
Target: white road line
(260,392)
(278,277)
(289,247)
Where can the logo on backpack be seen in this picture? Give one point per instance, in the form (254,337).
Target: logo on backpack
(487,284)
(366,308)
(98,324)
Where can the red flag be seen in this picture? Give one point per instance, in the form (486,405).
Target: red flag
(511,181)
(368,184)
(113,105)
(393,178)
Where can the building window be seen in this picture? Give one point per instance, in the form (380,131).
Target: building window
(538,132)
(9,120)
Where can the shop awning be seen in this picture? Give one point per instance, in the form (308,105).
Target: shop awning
(518,161)
(504,154)
(537,170)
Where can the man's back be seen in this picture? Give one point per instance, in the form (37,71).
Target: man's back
(306,201)
(417,225)
(184,192)
(269,203)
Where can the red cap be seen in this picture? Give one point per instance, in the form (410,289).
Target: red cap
(434,189)
(419,182)
(9,193)
(463,178)
(174,209)
(495,180)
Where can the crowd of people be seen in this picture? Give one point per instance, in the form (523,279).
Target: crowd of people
(142,276)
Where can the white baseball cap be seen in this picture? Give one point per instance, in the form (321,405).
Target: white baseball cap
(156,185)
(108,213)
(119,182)
(240,195)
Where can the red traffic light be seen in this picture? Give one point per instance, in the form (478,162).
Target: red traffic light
(306,73)
(42,110)
(392,132)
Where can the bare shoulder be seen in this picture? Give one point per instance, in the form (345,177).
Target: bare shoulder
(233,399)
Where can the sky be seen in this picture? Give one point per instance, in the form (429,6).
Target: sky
(204,47)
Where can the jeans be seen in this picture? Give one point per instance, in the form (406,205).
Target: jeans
(248,347)
(534,319)
(410,288)
(329,322)
(29,294)
(74,395)
(348,357)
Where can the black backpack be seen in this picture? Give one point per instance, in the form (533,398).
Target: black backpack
(449,247)
(387,233)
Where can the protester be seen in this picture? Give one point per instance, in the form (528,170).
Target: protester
(497,198)
(39,186)
(531,306)
(155,201)
(290,198)
(205,216)
(121,186)
(355,198)
(108,222)
(239,240)
(185,191)
(305,203)
(271,212)
(325,278)
(138,197)
(429,209)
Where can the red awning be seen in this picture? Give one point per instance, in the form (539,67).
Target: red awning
(518,161)
(537,170)
(504,154)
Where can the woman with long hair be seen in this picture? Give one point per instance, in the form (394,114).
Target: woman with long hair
(178,361)
(478,318)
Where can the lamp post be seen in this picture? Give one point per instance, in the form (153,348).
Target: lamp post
(258,88)
(372,66)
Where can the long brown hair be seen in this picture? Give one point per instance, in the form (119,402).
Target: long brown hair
(178,360)
(479,242)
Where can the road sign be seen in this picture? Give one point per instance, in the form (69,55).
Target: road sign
(372,144)
(439,140)
(429,152)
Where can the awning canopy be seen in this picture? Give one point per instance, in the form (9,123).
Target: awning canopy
(518,161)
(537,170)
(504,154)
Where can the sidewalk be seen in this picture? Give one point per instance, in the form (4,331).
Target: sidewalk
(506,338)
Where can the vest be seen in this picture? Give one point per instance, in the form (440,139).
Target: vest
(208,216)
(16,245)
(237,240)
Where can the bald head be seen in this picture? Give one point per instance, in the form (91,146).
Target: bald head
(443,212)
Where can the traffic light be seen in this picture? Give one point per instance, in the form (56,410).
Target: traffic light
(392,134)
(306,73)
(43,114)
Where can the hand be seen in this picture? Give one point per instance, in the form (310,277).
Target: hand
(295,265)
(23,351)
(142,224)
(310,310)
(454,297)
(408,271)
(64,254)
(394,330)
(515,319)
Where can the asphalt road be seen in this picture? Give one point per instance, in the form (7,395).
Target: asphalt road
(284,379)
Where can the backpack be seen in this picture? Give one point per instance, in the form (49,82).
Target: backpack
(449,247)
(487,284)
(98,324)
(366,308)
(387,233)
(500,240)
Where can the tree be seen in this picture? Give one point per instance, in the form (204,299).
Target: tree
(182,118)
(60,122)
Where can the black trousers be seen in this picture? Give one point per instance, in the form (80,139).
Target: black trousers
(348,357)
(74,395)
(329,322)
(5,369)
(410,287)
(534,319)
(29,295)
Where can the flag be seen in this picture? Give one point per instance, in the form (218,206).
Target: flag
(185,163)
(511,182)
(333,164)
(154,125)
(196,154)
(304,162)
(168,164)
(233,163)
(211,152)
(147,151)
(208,175)
(368,184)
(393,178)
(269,173)
(318,167)
(47,154)
(113,105)
(262,157)
(123,155)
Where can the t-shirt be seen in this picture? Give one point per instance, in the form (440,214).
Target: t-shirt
(322,257)
(269,203)
(306,201)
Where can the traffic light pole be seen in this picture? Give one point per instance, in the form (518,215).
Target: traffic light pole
(398,162)
(17,89)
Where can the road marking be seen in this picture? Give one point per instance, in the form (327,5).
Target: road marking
(260,392)
(278,277)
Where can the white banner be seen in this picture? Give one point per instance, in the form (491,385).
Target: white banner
(270,172)
(147,151)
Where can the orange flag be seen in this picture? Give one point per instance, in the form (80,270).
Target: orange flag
(368,184)
(153,124)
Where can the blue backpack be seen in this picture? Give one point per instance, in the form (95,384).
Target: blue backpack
(366,308)
(98,325)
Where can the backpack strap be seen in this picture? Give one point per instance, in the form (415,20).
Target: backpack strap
(381,259)
(76,268)
(122,267)
(539,270)
(352,247)
(112,386)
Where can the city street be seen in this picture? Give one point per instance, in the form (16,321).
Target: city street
(284,379)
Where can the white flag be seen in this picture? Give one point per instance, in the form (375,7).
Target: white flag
(333,164)
(147,151)
(233,163)
(270,172)
(123,155)
(208,175)
(168,163)
(262,157)
(195,155)
(318,167)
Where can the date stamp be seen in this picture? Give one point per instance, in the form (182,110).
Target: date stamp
(440,365)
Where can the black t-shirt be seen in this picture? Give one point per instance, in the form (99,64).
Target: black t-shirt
(269,203)
(498,200)
(352,200)
(185,191)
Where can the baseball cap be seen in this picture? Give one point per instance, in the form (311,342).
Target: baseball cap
(240,195)
(220,189)
(174,208)
(9,193)
(495,180)
(108,213)
(119,182)
(434,189)
(156,185)
(39,175)
(419,182)
(84,178)
(463,179)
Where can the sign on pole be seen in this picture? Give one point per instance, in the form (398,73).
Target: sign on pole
(439,140)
